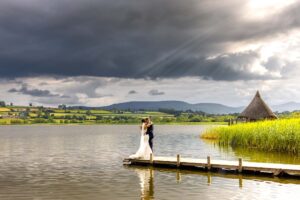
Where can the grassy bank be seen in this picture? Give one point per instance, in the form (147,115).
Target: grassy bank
(18,115)
(278,135)
(94,122)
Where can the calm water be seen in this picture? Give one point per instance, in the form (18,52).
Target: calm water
(85,162)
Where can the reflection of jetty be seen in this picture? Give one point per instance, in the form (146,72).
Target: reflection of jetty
(219,165)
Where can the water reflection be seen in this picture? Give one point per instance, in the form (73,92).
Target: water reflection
(146,177)
(85,162)
(178,176)
(254,155)
(261,156)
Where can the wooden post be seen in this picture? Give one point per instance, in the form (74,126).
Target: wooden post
(151,158)
(240,165)
(208,163)
(178,160)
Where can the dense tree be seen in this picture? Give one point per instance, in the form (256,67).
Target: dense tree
(2,104)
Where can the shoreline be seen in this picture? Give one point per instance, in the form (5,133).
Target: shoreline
(95,124)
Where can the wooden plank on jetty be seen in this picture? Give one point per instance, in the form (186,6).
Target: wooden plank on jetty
(209,164)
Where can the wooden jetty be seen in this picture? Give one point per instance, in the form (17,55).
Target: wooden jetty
(209,164)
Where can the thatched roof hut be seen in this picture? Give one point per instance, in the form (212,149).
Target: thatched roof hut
(257,110)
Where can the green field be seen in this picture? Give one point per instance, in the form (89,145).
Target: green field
(2,109)
(277,135)
(41,115)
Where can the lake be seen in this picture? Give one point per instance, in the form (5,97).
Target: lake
(85,162)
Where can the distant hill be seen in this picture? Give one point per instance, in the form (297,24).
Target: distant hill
(211,108)
(290,106)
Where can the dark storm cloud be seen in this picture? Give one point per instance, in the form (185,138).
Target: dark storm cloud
(87,86)
(129,38)
(43,83)
(156,92)
(132,92)
(35,92)
(229,67)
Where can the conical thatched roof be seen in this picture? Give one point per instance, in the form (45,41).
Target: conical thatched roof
(257,109)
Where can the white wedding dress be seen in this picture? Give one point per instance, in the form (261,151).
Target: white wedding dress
(144,150)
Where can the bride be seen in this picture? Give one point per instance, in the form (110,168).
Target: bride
(144,150)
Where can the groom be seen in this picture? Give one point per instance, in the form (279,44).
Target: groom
(149,132)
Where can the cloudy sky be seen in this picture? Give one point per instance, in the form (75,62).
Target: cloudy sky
(99,52)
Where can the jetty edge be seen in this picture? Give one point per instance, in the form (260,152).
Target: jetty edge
(208,164)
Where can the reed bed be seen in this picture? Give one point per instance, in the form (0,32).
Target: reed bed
(277,135)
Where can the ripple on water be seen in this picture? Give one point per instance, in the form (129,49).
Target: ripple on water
(85,162)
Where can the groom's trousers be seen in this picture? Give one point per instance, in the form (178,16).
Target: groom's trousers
(151,143)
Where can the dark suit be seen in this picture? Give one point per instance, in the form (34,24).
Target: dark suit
(151,135)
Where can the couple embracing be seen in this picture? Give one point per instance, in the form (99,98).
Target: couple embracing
(146,142)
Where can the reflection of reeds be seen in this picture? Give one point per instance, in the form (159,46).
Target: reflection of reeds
(262,156)
(279,135)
